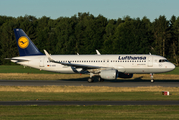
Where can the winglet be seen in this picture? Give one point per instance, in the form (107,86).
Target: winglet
(48,56)
(98,53)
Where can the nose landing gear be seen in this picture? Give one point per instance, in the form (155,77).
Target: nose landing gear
(151,75)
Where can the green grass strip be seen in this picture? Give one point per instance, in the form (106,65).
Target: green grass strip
(89,112)
(20,69)
(111,96)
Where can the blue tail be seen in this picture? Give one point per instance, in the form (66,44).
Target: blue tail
(25,45)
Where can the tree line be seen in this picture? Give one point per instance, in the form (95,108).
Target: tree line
(84,33)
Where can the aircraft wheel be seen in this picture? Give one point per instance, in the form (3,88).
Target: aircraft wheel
(90,80)
(100,79)
(152,81)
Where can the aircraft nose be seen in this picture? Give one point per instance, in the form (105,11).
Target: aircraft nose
(172,66)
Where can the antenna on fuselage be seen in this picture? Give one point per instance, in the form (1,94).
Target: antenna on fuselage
(98,53)
(150,53)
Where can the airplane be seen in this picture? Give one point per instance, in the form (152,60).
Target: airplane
(107,67)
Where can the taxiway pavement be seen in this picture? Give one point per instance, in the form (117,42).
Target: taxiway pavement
(110,83)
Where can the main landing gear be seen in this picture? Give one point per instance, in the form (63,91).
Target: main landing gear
(100,79)
(152,77)
(91,79)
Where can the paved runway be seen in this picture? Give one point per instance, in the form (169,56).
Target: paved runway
(110,83)
(90,103)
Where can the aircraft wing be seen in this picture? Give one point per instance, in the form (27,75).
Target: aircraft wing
(71,64)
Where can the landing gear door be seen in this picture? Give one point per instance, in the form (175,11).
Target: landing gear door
(41,64)
(150,61)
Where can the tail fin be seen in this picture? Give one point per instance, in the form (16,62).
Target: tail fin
(25,45)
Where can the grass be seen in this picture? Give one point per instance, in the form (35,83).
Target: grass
(81,93)
(89,112)
(85,89)
(85,93)
(97,96)
(20,69)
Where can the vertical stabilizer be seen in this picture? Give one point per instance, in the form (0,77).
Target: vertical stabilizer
(25,46)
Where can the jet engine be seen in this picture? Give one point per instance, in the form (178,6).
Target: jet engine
(109,74)
(125,75)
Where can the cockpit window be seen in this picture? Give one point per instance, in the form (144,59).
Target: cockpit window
(163,60)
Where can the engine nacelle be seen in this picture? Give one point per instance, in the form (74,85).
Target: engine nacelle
(109,74)
(125,75)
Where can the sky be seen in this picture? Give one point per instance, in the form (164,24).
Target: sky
(111,9)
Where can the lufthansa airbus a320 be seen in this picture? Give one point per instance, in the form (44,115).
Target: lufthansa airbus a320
(105,66)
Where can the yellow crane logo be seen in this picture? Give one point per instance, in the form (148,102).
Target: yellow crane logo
(23,42)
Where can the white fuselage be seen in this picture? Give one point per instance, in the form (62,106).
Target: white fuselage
(123,63)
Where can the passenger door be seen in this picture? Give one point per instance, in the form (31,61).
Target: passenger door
(41,64)
(150,61)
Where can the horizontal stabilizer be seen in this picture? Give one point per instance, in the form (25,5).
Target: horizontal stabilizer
(17,60)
